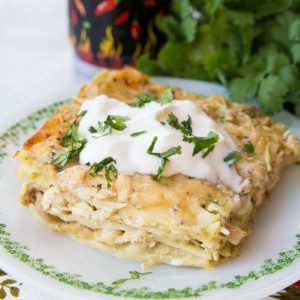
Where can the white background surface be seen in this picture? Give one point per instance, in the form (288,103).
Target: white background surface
(36,60)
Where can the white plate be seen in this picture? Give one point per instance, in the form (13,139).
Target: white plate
(49,262)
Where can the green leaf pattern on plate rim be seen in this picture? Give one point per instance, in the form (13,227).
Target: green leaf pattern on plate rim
(22,253)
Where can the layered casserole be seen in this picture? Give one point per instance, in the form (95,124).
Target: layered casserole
(169,216)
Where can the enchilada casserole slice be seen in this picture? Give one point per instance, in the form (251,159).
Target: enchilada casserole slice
(179,220)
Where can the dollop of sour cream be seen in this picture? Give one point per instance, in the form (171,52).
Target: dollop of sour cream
(130,152)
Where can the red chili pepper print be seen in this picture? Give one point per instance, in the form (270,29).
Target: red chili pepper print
(105,6)
(135,30)
(150,3)
(80,7)
(117,63)
(122,18)
(74,18)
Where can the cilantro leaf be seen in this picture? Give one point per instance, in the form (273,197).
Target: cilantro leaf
(203,143)
(116,122)
(170,152)
(71,137)
(294,32)
(295,51)
(244,89)
(63,159)
(270,94)
(289,75)
(249,148)
(185,126)
(148,65)
(232,157)
(92,129)
(188,23)
(181,26)
(108,164)
(111,122)
(72,141)
(82,114)
(241,18)
(172,120)
(143,99)
(163,155)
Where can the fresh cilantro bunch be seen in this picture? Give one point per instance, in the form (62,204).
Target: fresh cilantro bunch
(252,47)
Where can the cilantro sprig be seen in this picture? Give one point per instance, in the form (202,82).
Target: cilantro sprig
(71,141)
(143,99)
(252,47)
(146,97)
(203,144)
(108,164)
(111,122)
(163,155)
(185,126)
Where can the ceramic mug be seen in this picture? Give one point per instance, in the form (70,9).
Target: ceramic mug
(113,33)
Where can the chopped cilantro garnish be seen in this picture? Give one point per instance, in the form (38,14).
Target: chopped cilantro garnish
(249,148)
(111,122)
(167,95)
(82,114)
(203,143)
(232,157)
(108,164)
(75,144)
(116,122)
(71,137)
(173,121)
(143,98)
(163,155)
(146,97)
(137,133)
(200,143)
(151,147)
(133,275)
(185,126)
(92,129)
(63,159)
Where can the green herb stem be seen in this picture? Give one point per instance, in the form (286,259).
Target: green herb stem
(163,155)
